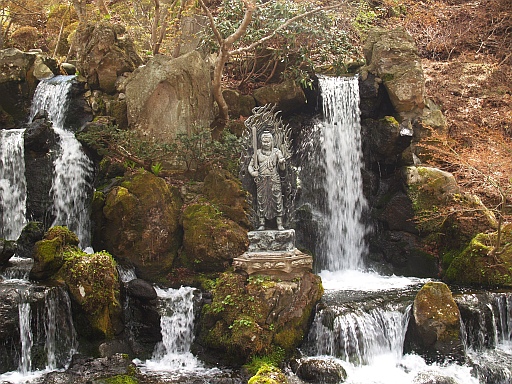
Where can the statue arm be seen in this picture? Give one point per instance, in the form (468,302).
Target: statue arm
(253,172)
(281,161)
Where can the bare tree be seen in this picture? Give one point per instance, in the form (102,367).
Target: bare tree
(226,45)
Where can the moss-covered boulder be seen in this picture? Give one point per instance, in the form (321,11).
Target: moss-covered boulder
(225,190)
(138,221)
(93,283)
(434,328)
(210,240)
(49,252)
(259,316)
(483,263)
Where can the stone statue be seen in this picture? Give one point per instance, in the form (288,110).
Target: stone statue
(267,163)
(264,168)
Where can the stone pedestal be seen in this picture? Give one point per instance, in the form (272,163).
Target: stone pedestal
(273,253)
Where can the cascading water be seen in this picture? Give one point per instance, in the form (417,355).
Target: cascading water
(335,161)
(13,189)
(73,170)
(176,307)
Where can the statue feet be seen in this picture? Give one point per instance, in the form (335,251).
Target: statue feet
(279,221)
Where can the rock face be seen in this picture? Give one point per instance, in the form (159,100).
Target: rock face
(254,317)
(105,53)
(137,220)
(393,57)
(313,370)
(434,328)
(169,97)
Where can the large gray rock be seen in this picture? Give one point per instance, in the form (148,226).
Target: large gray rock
(7,250)
(168,97)
(393,57)
(316,370)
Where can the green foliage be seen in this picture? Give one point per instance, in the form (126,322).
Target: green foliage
(195,150)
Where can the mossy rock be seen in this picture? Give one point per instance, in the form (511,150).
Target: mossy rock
(257,317)
(225,191)
(139,223)
(93,283)
(268,374)
(210,240)
(434,329)
(477,265)
(49,252)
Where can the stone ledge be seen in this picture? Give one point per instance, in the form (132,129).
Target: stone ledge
(284,265)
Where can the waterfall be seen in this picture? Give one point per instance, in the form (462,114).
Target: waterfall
(25,317)
(359,335)
(176,307)
(13,189)
(71,186)
(335,166)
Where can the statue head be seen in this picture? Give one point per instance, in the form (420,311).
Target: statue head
(267,140)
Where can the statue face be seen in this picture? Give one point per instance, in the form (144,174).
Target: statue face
(266,142)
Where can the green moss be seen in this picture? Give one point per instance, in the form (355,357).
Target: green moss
(66,236)
(119,379)
(268,374)
(390,120)
(275,358)
(476,265)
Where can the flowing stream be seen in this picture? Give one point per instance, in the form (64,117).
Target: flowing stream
(73,170)
(13,188)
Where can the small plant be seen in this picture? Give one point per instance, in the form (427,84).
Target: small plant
(156,168)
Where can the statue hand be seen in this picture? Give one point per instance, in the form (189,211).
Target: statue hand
(254,174)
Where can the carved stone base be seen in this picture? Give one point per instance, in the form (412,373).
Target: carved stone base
(285,265)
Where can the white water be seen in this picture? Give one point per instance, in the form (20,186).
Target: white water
(13,188)
(172,354)
(25,317)
(73,170)
(341,146)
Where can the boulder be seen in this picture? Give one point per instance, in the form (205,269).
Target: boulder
(434,328)
(433,377)
(141,289)
(138,221)
(7,250)
(482,263)
(238,105)
(49,252)
(93,284)
(30,235)
(268,374)
(210,240)
(17,85)
(386,140)
(254,317)
(392,55)
(104,52)
(316,370)
(168,97)
(288,96)
(9,327)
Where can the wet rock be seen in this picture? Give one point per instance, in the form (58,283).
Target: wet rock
(170,97)
(30,235)
(7,250)
(434,328)
(434,378)
(238,105)
(141,289)
(326,371)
